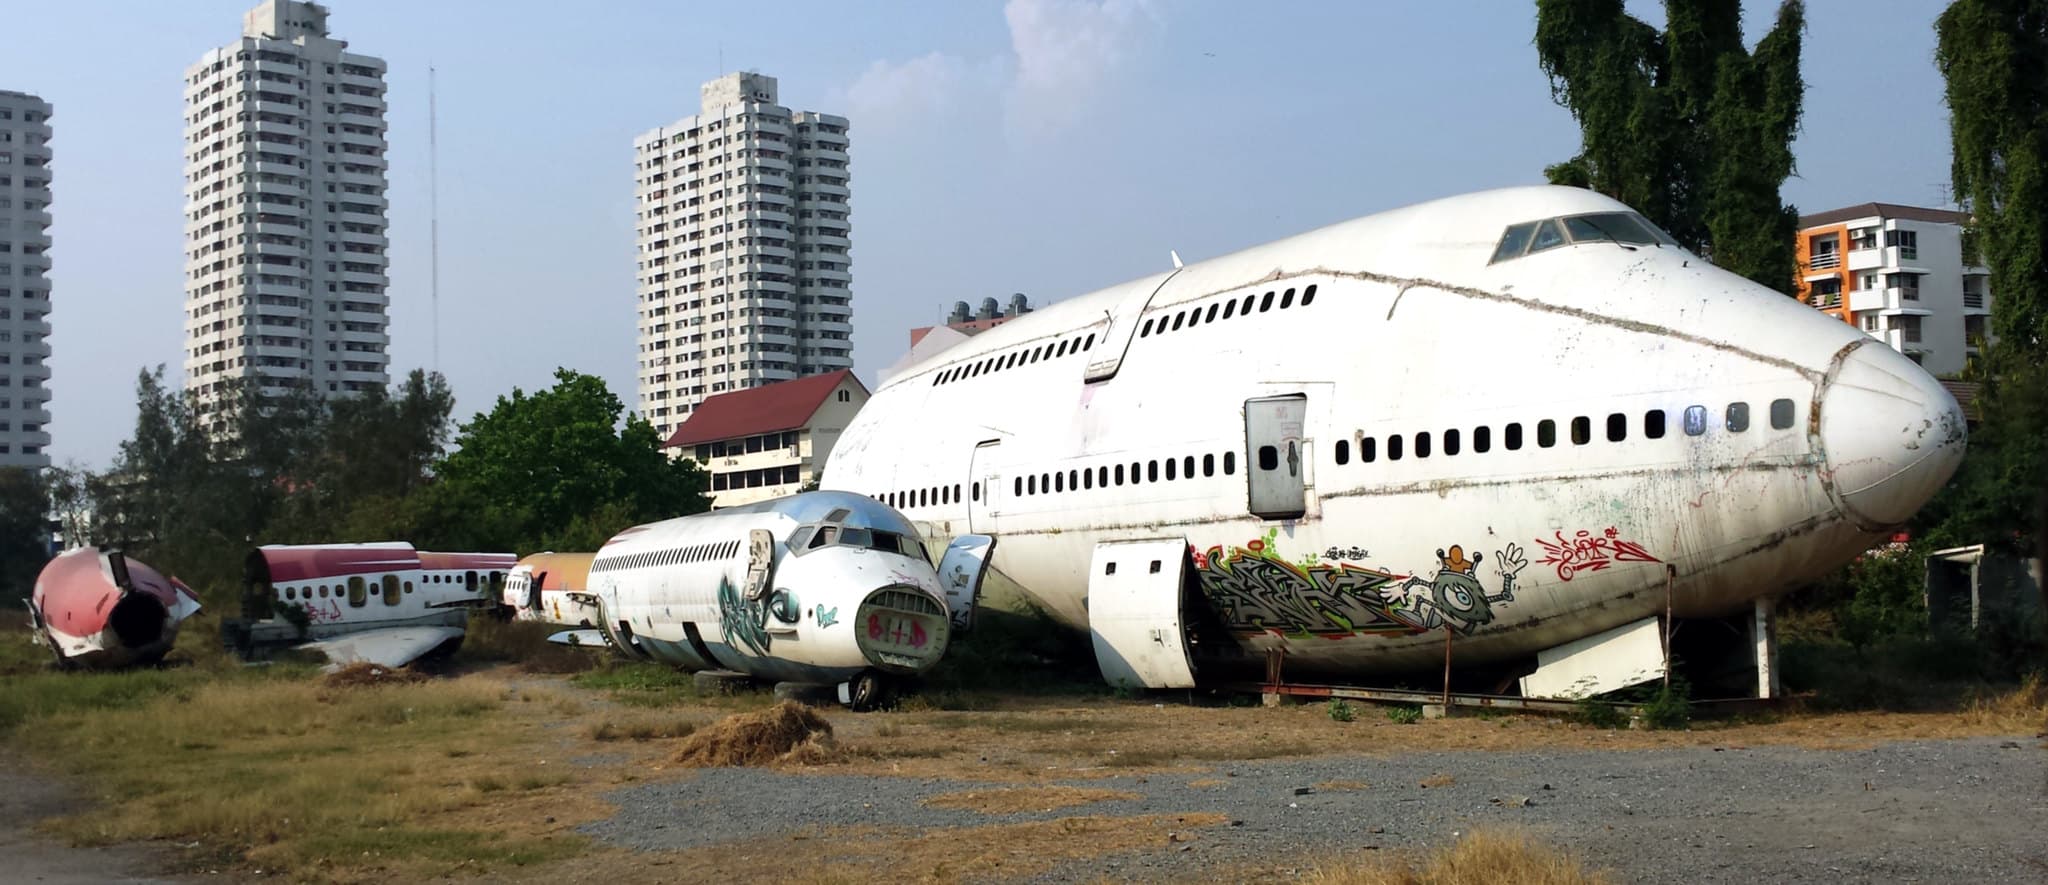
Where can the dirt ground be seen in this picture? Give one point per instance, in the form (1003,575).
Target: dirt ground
(1076,789)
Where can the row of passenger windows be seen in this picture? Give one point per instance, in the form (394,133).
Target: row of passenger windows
(1230,307)
(1735,417)
(678,556)
(390,587)
(1156,470)
(926,497)
(1014,359)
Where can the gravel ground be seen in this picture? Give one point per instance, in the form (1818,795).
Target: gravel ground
(1948,811)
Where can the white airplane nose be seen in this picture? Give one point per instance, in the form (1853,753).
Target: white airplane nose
(1891,435)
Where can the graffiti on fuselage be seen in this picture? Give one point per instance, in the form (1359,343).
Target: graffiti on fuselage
(743,622)
(1255,591)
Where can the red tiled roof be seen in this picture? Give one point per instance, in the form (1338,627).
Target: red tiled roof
(784,405)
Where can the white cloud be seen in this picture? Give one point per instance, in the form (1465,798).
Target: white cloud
(890,92)
(1063,55)
(1066,53)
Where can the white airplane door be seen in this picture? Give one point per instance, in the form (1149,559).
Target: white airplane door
(1123,326)
(1275,452)
(1135,613)
(985,485)
(760,561)
(960,572)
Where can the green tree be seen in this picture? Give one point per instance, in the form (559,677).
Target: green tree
(1994,56)
(24,531)
(560,465)
(1686,125)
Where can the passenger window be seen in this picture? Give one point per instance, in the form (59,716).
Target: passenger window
(1738,417)
(1512,436)
(1179,319)
(1513,242)
(1073,480)
(1246,307)
(1088,478)
(1229,463)
(1548,236)
(1482,439)
(1187,467)
(1229,308)
(1287,299)
(291,593)
(391,591)
(1422,444)
(1119,474)
(1146,330)
(1212,314)
(358,592)
(1308,295)
(1170,466)
(1582,430)
(1366,447)
(975,490)
(408,586)
(1102,476)
(1017,490)
(1450,442)
(1208,465)
(1617,427)
(1269,458)
(1266,303)
(1151,471)
(1653,424)
(1031,485)
(1343,451)
(1781,413)
(1393,447)
(1546,433)
(1059,482)
(1089,344)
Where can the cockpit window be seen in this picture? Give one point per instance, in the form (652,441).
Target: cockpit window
(853,537)
(889,542)
(1515,241)
(1531,237)
(1617,226)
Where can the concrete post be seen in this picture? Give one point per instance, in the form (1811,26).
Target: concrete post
(1764,631)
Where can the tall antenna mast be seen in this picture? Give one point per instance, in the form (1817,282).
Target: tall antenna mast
(433,218)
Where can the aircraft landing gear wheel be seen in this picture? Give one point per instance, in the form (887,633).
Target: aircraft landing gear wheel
(868,691)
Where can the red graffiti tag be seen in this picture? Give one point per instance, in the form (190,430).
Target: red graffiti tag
(1585,552)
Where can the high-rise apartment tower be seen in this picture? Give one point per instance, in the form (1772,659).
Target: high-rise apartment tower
(284,211)
(24,280)
(744,272)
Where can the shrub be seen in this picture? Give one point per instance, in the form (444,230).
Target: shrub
(1404,714)
(1340,710)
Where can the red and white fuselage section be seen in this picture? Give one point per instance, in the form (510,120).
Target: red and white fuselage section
(102,609)
(381,603)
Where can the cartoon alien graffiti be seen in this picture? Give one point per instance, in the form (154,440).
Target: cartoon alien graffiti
(1455,598)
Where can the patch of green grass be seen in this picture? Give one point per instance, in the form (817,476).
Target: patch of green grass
(1598,713)
(1404,714)
(53,692)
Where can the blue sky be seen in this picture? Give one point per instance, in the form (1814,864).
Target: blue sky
(1049,147)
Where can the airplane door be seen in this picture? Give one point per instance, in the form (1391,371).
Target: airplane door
(533,587)
(986,478)
(1276,453)
(1123,326)
(1136,613)
(960,572)
(760,561)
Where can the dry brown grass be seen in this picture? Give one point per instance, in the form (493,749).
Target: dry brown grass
(1341,786)
(637,725)
(1018,800)
(1483,857)
(1438,780)
(2021,710)
(1204,783)
(950,854)
(788,733)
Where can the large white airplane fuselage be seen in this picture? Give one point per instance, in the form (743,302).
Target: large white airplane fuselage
(1517,451)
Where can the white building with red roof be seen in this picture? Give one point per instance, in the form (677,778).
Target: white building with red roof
(768,441)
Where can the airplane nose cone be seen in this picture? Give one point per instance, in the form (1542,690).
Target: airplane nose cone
(1892,436)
